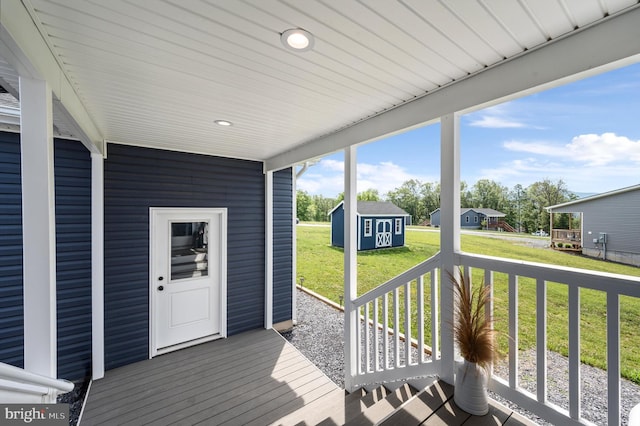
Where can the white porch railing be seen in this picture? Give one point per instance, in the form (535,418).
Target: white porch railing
(388,316)
(611,285)
(409,304)
(21,386)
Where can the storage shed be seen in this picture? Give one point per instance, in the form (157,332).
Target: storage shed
(609,225)
(381,224)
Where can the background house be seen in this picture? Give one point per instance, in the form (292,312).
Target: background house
(609,225)
(472,218)
(380,224)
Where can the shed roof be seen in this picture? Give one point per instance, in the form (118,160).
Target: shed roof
(376,208)
(594,197)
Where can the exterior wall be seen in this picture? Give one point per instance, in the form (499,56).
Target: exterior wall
(283,223)
(73,244)
(617,216)
(337,228)
(11,307)
(435,218)
(73,251)
(369,243)
(139,178)
(471,219)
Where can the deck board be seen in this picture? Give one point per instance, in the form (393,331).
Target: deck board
(239,379)
(255,378)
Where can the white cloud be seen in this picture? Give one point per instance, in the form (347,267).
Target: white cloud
(496,117)
(589,149)
(326,177)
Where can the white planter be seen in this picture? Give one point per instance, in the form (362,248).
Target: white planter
(470,392)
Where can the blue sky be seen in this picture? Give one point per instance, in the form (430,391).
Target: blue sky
(586,133)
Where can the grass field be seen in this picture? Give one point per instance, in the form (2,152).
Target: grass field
(322,268)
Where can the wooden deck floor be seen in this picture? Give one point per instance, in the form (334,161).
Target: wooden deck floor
(255,378)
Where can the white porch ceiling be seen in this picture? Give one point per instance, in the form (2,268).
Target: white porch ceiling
(158,73)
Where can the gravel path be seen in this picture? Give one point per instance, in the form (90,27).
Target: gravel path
(319,336)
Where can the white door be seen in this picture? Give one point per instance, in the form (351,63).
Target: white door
(187,277)
(383,233)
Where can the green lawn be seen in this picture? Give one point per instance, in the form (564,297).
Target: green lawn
(322,268)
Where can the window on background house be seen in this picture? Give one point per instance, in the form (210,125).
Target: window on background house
(367,227)
(475,219)
(398,226)
(466,219)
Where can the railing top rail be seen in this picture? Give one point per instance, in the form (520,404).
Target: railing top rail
(603,281)
(408,275)
(19,375)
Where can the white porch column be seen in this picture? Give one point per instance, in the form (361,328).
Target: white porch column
(449,232)
(350,267)
(97,266)
(294,253)
(268,297)
(38,227)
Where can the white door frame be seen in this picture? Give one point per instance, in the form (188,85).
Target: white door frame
(222,275)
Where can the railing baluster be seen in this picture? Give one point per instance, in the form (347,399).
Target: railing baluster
(513,331)
(407,324)
(396,326)
(574,352)
(488,309)
(613,358)
(367,350)
(385,330)
(541,340)
(435,303)
(359,340)
(420,315)
(376,335)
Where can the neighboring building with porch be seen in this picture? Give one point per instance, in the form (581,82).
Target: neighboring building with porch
(609,227)
(148,181)
(381,224)
(477,218)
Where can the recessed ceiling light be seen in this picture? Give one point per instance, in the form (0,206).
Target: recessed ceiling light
(224,123)
(297,39)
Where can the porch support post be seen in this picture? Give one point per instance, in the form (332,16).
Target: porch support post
(97,266)
(268,298)
(294,237)
(350,268)
(38,227)
(449,233)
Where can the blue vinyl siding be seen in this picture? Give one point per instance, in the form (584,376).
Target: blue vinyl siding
(11,307)
(337,228)
(73,246)
(73,252)
(283,222)
(139,178)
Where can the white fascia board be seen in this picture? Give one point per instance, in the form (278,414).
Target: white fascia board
(608,44)
(25,49)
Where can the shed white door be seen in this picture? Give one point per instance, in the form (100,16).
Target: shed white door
(187,277)
(383,233)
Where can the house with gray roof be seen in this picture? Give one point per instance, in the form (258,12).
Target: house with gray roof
(381,224)
(473,218)
(609,226)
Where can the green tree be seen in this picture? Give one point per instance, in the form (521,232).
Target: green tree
(409,198)
(486,193)
(323,206)
(540,195)
(430,197)
(369,195)
(304,206)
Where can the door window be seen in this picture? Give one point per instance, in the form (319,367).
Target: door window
(189,252)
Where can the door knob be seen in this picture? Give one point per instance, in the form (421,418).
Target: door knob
(160,288)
